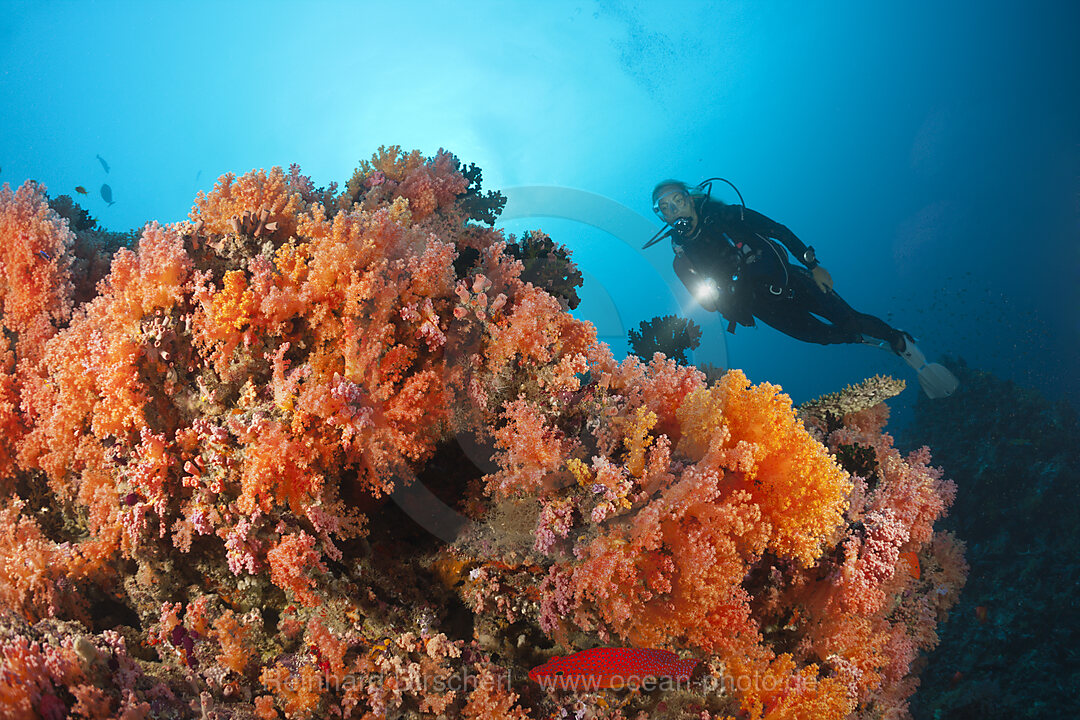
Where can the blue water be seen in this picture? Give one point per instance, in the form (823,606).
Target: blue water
(931,154)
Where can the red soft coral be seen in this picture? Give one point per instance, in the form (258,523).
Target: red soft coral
(294,561)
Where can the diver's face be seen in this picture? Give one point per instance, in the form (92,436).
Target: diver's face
(676,204)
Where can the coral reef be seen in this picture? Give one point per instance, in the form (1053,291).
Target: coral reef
(201,463)
(832,408)
(671,335)
(547,265)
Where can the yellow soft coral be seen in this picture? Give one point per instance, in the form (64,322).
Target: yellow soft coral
(291,260)
(637,440)
(753,433)
(234,306)
(580,471)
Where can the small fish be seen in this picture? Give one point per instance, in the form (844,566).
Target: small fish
(912,561)
(603,668)
(106,194)
(81,190)
(44,254)
(103,163)
(981,614)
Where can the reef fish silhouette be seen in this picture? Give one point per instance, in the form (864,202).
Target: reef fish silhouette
(103,163)
(603,668)
(81,190)
(106,194)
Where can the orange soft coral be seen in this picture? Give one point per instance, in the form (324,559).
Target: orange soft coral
(491,698)
(757,480)
(532,451)
(39,577)
(730,506)
(294,562)
(756,435)
(35,282)
(392,163)
(12,426)
(280,194)
(246,386)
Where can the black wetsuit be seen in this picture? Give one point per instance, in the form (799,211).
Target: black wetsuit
(738,249)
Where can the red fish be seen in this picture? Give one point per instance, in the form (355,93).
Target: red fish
(981,614)
(603,668)
(912,561)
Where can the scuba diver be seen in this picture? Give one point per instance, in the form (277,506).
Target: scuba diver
(735,261)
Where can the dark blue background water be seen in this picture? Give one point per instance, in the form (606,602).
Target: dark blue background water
(930,152)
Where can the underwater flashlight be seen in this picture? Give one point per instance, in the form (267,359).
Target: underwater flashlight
(707,292)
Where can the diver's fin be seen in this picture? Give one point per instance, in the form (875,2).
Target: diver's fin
(912,355)
(934,378)
(937,382)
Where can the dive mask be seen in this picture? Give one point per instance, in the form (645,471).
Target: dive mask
(671,204)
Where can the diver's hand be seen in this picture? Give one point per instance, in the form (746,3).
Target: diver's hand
(822,278)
